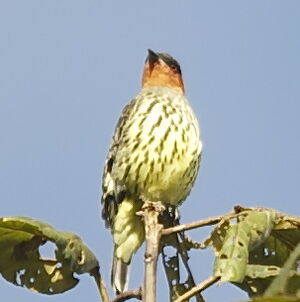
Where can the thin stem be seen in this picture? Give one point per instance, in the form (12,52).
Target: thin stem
(198,288)
(95,272)
(196,224)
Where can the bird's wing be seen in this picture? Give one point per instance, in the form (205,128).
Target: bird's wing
(112,195)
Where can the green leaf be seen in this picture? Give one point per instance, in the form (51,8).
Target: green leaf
(280,285)
(22,264)
(252,248)
(236,240)
(274,253)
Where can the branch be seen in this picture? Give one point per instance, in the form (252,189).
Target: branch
(136,293)
(151,211)
(95,272)
(199,288)
(196,224)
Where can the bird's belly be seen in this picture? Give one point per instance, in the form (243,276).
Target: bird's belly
(162,170)
(169,186)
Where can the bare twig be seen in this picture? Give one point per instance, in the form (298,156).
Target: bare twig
(196,224)
(153,230)
(95,272)
(198,288)
(136,293)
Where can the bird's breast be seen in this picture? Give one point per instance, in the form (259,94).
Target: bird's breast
(158,153)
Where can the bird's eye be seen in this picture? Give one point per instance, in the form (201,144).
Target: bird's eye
(174,68)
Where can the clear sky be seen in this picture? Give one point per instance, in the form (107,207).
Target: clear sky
(68,67)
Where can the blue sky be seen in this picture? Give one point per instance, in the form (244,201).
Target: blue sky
(68,67)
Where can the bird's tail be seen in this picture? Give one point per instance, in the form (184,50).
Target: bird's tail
(128,233)
(119,274)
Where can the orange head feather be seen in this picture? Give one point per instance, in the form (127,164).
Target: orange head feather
(162,70)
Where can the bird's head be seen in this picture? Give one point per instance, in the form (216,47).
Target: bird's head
(162,70)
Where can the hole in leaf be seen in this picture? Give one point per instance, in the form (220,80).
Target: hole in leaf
(31,280)
(223,256)
(169,251)
(233,239)
(19,275)
(47,250)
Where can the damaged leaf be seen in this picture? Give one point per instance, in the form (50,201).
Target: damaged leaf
(252,248)
(21,262)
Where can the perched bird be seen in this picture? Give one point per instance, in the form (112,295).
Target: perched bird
(154,156)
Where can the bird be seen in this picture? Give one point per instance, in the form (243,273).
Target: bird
(154,156)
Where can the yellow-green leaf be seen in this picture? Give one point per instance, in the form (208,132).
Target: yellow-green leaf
(22,264)
(237,239)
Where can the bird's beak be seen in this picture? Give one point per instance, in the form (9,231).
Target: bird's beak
(152,58)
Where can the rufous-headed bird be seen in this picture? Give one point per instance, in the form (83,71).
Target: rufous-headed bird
(154,156)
